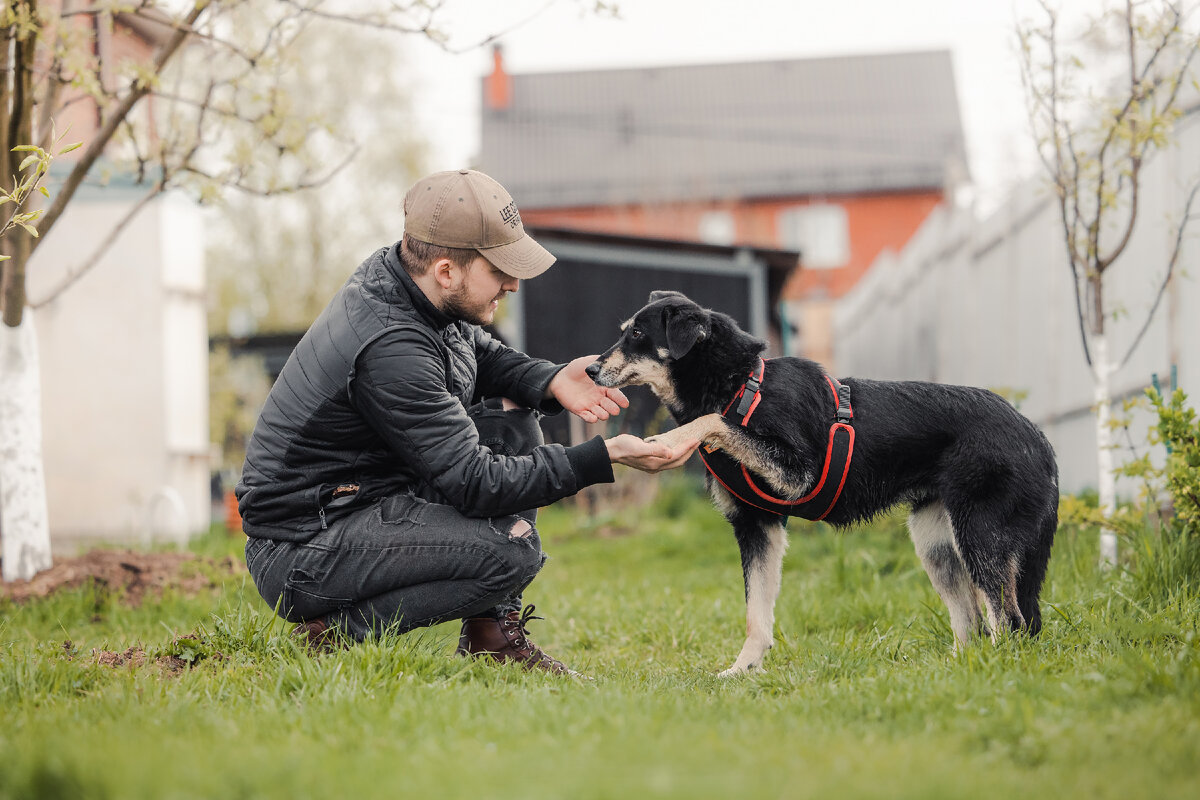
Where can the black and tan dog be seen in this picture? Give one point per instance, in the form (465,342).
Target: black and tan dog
(782,438)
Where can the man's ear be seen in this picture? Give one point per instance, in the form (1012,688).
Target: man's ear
(685,327)
(444,272)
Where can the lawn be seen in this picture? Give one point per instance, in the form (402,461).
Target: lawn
(862,695)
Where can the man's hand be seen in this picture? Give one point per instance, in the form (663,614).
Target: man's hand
(580,395)
(646,456)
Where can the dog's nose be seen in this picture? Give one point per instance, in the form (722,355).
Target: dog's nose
(593,369)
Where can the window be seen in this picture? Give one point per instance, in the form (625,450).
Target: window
(716,227)
(820,232)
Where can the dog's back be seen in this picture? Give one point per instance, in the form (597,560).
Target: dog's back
(934,446)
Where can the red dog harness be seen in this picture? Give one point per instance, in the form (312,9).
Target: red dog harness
(744,484)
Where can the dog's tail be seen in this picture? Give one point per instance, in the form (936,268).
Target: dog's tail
(1033,572)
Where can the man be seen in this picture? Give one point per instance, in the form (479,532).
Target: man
(393,477)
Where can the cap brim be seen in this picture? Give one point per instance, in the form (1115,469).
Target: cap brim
(522,259)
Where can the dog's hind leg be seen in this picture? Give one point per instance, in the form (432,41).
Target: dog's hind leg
(933,536)
(762,540)
(1033,572)
(987,548)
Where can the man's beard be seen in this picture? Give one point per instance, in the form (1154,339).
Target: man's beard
(457,306)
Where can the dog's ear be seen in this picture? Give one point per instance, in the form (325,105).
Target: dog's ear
(685,327)
(660,294)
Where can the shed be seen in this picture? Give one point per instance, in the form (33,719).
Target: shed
(600,280)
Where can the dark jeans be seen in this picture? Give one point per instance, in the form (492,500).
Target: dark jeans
(409,561)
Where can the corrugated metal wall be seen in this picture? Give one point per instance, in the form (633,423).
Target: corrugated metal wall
(989,303)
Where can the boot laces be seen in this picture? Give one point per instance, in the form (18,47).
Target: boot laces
(521,624)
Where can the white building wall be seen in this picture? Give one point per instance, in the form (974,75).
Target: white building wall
(124,373)
(990,303)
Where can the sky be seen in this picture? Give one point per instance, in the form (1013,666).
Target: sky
(563,35)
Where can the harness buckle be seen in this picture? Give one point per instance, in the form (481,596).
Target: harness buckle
(845,412)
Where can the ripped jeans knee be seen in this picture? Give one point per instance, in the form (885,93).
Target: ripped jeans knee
(518,530)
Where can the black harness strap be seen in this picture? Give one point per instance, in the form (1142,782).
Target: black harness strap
(744,484)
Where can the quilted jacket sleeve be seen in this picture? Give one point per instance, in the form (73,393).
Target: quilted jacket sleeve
(400,388)
(504,372)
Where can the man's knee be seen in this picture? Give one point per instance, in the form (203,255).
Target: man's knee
(524,554)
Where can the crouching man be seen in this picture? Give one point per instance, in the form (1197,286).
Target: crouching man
(393,477)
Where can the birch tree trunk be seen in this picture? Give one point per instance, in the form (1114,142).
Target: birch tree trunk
(24,525)
(1102,369)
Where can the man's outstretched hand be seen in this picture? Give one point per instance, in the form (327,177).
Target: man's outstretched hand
(580,395)
(648,456)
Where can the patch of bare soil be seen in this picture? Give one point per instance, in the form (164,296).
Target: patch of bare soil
(183,653)
(131,574)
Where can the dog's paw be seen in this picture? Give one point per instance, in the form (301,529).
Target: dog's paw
(737,670)
(665,438)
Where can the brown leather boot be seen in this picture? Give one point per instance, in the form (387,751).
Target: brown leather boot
(316,636)
(507,640)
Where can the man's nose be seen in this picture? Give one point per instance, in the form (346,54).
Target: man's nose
(593,369)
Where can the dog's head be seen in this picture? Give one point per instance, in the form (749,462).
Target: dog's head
(667,329)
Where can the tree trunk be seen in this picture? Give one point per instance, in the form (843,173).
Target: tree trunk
(1102,368)
(24,527)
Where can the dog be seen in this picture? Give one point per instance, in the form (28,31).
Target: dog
(780,437)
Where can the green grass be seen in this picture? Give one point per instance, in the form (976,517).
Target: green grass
(862,696)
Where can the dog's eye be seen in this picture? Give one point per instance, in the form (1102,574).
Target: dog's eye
(635,334)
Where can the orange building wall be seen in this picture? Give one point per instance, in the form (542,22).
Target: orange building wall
(875,221)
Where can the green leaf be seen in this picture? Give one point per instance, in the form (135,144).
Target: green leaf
(30,159)
(70,147)
(45,192)
(32,231)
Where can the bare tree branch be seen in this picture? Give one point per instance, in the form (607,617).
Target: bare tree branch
(1138,92)
(292,188)
(113,120)
(1162,288)
(77,272)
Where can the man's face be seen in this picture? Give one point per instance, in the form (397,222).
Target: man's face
(479,291)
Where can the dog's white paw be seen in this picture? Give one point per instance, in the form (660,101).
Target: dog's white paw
(737,670)
(665,438)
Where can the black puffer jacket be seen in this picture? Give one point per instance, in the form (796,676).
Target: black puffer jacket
(375,396)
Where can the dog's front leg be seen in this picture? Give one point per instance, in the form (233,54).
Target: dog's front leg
(762,540)
(716,431)
(708,429)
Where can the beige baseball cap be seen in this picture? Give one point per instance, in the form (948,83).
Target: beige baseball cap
(467,209)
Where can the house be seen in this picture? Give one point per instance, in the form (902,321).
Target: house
(837,158)
(123,352)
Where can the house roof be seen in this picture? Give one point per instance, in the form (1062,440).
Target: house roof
(725,131)
(774,258)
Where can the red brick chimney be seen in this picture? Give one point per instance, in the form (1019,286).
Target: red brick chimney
(497,87)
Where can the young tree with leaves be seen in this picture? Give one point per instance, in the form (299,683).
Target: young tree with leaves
(1095,130)
(206,111)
